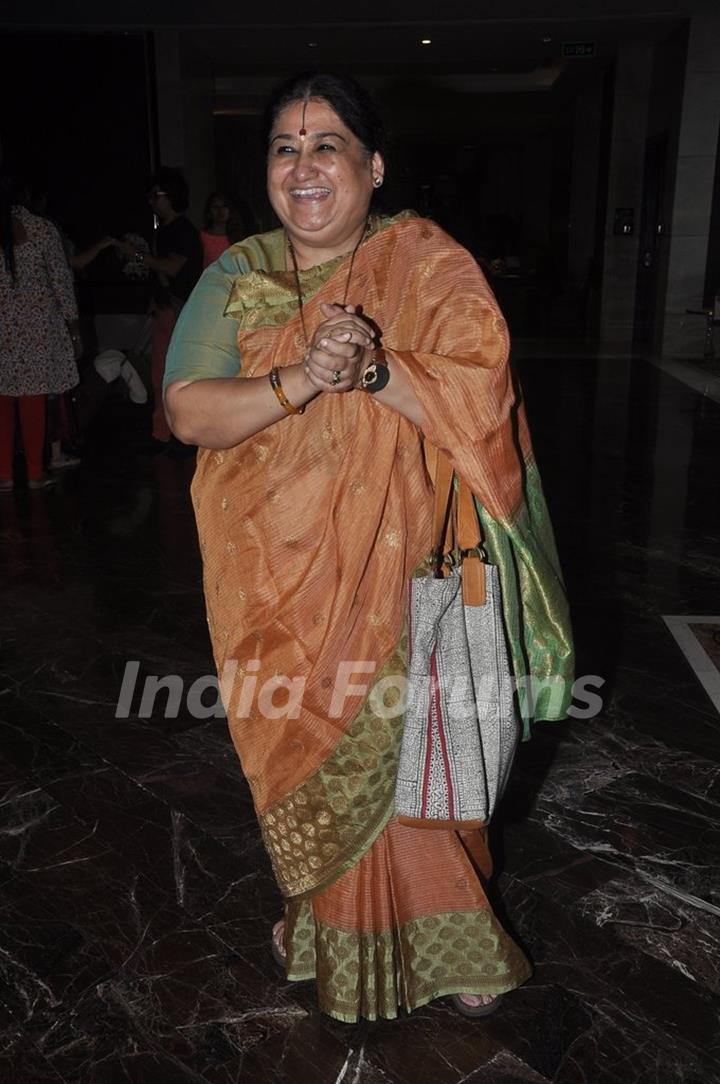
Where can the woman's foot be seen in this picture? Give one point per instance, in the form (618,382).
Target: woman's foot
(277,944)
(41,483)
(476,1004)
(63,461)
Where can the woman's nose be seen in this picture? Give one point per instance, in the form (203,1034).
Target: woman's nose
(304,163)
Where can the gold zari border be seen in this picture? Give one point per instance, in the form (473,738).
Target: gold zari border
(376,973)
(327,823)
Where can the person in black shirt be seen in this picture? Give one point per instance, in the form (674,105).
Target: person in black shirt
(176,264)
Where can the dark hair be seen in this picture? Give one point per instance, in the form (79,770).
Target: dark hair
(6,222)
(172,182)
(353,104)
(237,225)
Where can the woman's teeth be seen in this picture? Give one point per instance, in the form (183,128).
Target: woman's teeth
(309,193)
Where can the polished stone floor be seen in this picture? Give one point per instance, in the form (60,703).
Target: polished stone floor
(135,897)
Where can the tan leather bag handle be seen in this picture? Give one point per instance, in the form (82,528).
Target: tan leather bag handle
(470,539)
(442,511)
(456,525)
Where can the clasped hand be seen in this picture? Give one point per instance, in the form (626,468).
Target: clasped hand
(340,350)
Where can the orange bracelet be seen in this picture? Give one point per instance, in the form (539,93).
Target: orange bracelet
(282,398)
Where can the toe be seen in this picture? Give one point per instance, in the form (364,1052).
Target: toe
(278,934)
(474,1000)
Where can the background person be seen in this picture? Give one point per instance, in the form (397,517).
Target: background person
(176,263)
(79,260)
(35,197)
(39,332)
(222,226)
(60,413)
(313,506)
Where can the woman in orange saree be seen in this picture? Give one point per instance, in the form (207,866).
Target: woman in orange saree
(313,505)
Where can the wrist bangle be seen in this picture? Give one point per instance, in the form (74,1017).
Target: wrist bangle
(282,398)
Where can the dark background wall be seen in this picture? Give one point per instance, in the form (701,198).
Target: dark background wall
(488,178)
(494,170)
(75,118)
(516,174)
(76,126)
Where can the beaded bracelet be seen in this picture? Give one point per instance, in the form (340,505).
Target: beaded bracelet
(282,398)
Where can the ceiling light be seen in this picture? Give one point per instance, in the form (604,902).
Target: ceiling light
(546,39)
(312,45)
(426,41)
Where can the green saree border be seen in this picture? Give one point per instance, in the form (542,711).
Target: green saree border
(373,974)
(324,826)
(267,296)
(535,607)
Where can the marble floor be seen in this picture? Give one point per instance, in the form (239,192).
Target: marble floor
(135,896)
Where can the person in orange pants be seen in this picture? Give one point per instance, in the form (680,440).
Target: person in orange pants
(176,264)
(32,425)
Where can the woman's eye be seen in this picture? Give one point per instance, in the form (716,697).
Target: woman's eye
(284,148)
(325,147)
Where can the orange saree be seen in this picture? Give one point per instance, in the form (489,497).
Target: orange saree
(309,531)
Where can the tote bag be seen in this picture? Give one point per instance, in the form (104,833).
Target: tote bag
(460,727)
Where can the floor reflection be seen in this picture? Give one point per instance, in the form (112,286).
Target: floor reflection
(135,894)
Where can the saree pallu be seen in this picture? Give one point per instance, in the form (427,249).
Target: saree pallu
(309,531)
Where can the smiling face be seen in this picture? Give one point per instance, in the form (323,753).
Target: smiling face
(319,184)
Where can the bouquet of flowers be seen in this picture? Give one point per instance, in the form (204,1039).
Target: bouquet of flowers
(134,266)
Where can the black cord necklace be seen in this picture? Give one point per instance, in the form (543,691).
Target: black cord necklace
(298,287)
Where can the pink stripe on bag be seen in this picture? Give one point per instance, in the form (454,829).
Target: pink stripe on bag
(441,735)
(428,750)
(410,619)
(435,711)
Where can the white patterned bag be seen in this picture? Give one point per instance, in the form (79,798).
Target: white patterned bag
(460,729)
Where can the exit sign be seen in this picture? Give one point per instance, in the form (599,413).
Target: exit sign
(578,48)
